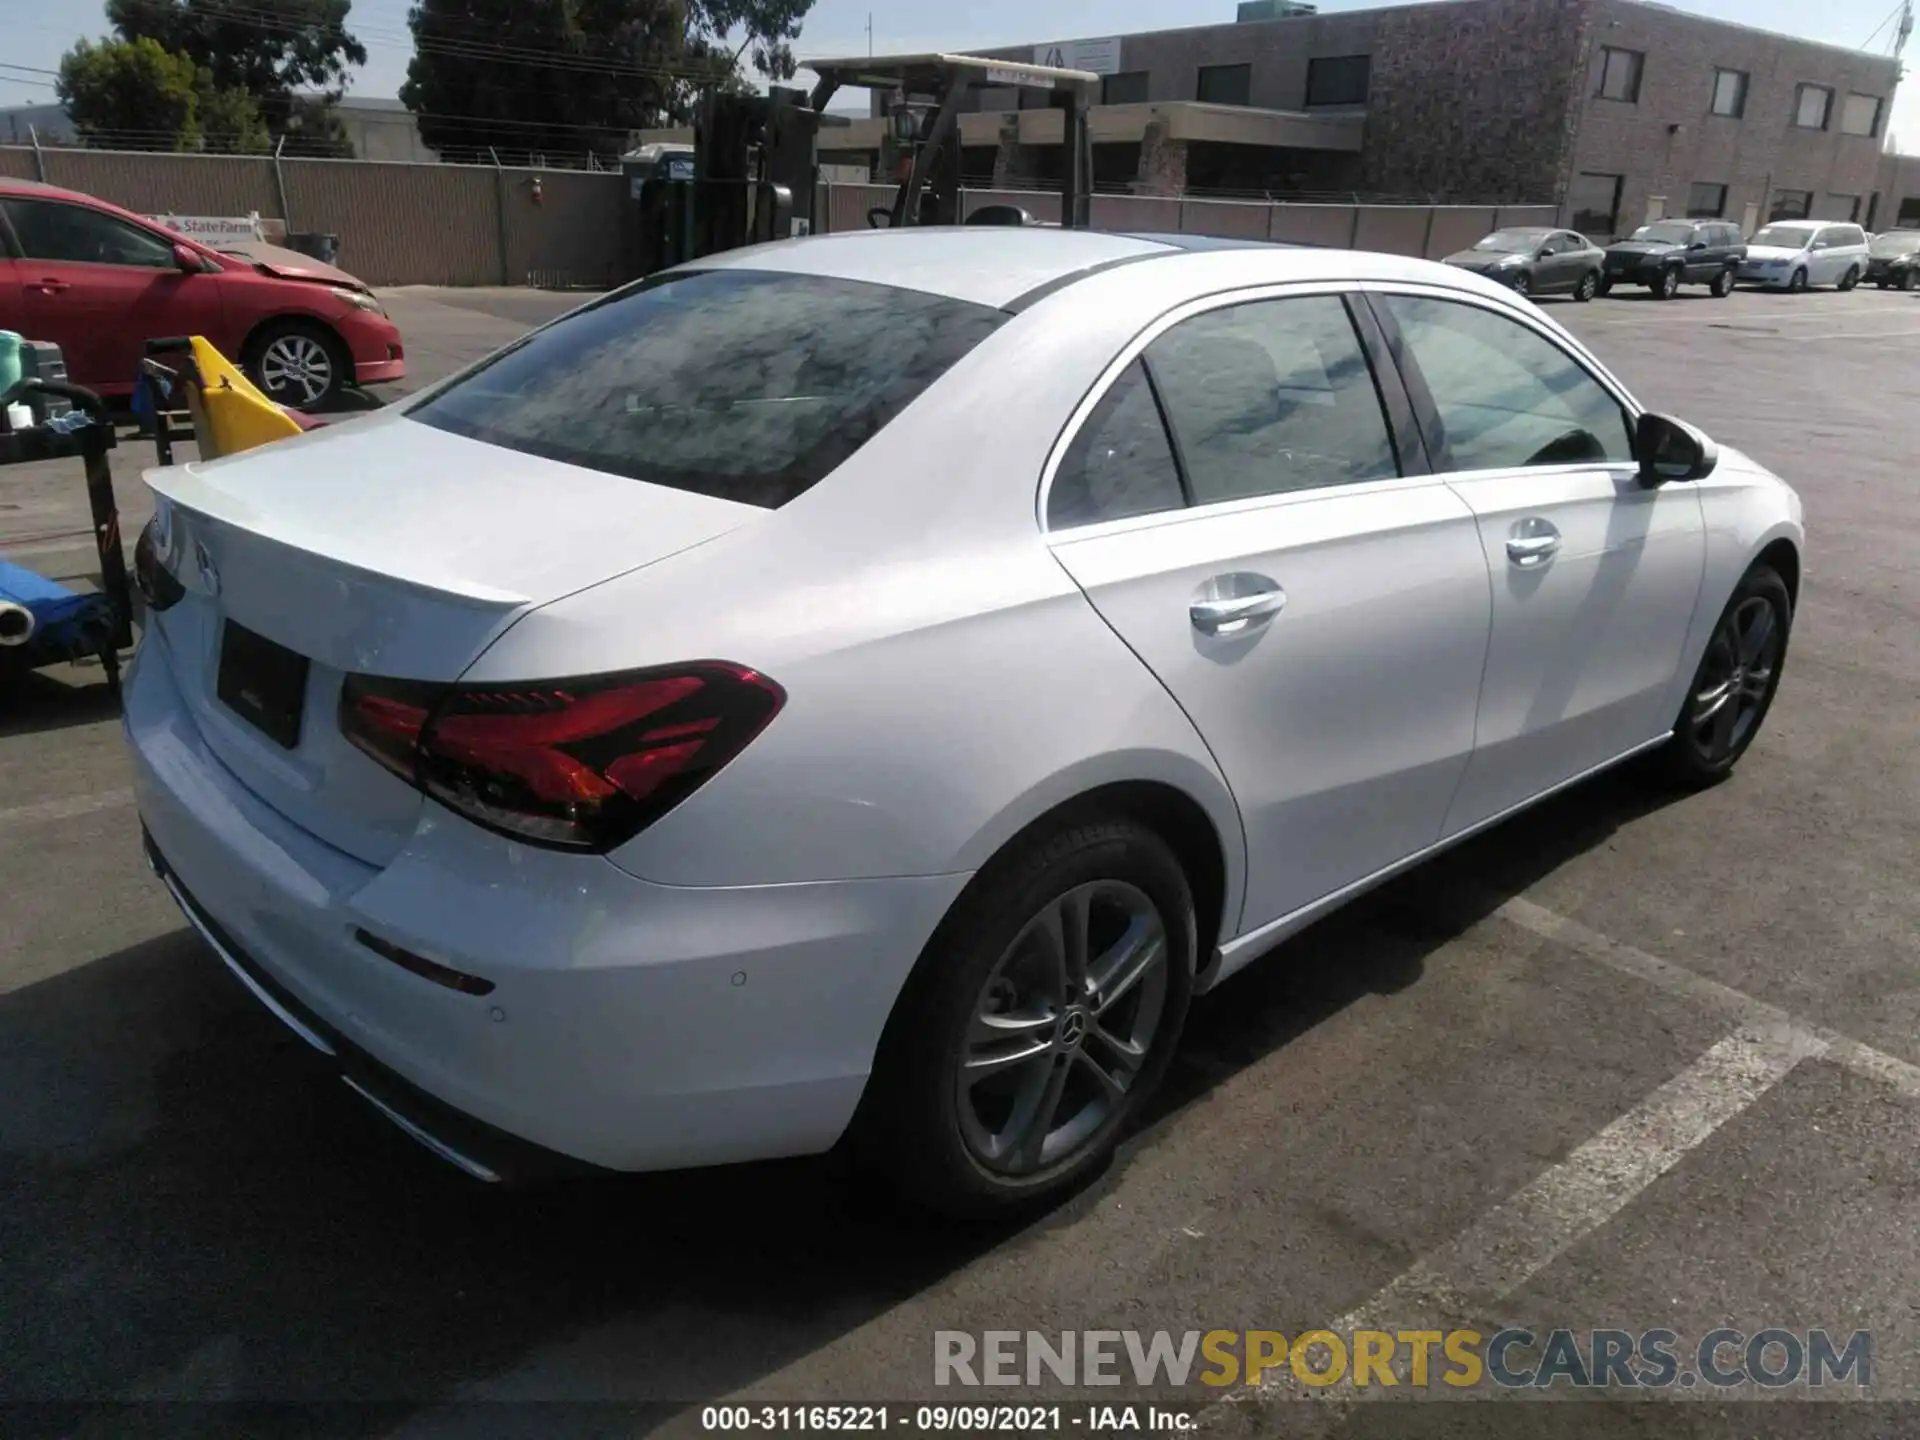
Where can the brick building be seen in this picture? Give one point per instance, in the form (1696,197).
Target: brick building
(1615,110)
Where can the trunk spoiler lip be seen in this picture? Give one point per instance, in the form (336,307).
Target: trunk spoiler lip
(180,485)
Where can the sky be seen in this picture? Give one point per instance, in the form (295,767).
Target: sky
(34,34)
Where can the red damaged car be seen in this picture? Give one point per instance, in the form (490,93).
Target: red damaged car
(99,282)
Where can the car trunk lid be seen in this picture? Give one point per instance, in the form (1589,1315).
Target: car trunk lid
(382,547)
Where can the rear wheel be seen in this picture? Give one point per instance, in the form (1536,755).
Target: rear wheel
(1850,279)
(1040,1018)
(298,363)
(1910,279)
(1722,284)
(1667,285)
(1734,686)
(1588,287)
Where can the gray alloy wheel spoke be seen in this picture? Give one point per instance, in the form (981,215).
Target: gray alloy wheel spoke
(1721,736)
(1755,636)
(1031,1124)
(1757,682)
(1109,1083)
(978,1066)
(1711,700)
(1132,1053)
(1142,947)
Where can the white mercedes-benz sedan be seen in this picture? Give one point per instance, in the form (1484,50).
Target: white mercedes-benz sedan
(861,688)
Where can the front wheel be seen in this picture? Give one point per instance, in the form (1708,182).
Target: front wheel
(1522,284)
(1722,285)
(1910,279)
(299,364)
(1588,287)
(1797,282)
(1667,286)
(1040,1018)
(1734,686)
(1850,279)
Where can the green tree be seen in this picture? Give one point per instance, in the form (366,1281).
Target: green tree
(229,123)
(271,49)
(130,94)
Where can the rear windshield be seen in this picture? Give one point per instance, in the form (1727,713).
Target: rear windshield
(749,385)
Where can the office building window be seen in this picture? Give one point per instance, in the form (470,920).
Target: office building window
(1593,204)
(1841,207)
(1706,201)
(1811,107)
(1730,93)
(1861,115)
(1226,84)
(1129,87)
(1338,80)
(1909,212)
(1620,74)
(1791,205)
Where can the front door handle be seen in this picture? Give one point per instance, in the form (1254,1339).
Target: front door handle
(49,286)
(1234,615)
(1532,543)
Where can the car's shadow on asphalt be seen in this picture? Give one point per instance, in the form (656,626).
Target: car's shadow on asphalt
(33,702)
(193,1208)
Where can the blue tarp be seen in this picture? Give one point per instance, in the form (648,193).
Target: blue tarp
(63,621)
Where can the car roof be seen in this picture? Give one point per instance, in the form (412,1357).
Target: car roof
(1008,267)
(11,186)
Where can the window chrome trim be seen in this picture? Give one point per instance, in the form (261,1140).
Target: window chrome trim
(1135,348)
(1246,295)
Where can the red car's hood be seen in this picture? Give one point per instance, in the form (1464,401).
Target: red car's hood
(292,265)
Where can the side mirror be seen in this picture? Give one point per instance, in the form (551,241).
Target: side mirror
(1671,450)
(188,260)
(880,218)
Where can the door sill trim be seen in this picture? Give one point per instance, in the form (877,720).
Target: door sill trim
(1243,949)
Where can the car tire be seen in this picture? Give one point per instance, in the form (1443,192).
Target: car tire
(1588,287)
(1741,671)
(1797,282)
(1523,284)
(298,363)
(1910,280)
(1722,285)
(1667,285)
(1850,279)
(927,1129)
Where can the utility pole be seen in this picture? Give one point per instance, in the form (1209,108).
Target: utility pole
(870,34)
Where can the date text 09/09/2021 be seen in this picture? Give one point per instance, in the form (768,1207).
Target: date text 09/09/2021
(942,1419)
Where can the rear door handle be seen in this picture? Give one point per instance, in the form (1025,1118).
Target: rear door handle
(1532,543)
(1236,614)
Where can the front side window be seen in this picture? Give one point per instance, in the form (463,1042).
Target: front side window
(1811,106)
(1620,74)
(1271,397)
(1730,93)
(742,384)
(53,230)
(1506,397)
(1120,464)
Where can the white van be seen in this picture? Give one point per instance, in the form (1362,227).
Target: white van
(1793,254)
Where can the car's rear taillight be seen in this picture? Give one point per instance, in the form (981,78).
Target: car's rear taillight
(156,583)
(573,764)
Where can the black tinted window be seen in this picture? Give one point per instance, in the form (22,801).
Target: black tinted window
(1120,463)
(50,230)
(1505,395)
(747,385)
(1270,397)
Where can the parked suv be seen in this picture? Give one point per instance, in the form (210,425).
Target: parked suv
(1667,254)
(1893,260)
(1794,254)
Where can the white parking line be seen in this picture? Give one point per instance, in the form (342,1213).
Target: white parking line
(1862,1059)
(63,809)
(1518,1238)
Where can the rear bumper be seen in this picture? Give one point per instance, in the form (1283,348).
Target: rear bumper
(631,1026)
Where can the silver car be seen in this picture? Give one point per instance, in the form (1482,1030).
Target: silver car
(861,688)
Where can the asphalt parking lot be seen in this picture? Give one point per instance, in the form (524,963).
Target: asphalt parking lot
(1627,1062)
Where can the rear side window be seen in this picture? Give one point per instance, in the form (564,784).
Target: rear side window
(1270,397)
(1120,464)
(742,384)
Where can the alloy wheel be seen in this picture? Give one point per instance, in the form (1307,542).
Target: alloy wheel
(1736,680)
(1588,284)
(297,369)
(1063,1027)
(1521,284)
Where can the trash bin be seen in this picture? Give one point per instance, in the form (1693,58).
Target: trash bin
(324,248)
